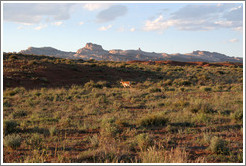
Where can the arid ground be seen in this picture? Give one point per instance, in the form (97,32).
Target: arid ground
(75,111)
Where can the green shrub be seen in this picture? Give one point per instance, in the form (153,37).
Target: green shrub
(153,120)
(218,145)
(13,141)
(9,126)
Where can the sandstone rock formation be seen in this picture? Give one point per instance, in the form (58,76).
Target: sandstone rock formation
(95,51)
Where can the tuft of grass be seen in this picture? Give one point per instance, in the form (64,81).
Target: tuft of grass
(219,146)
(109,127)
(152,90)
(94,140)
(53,130)
(238,115)
(35,141)
(206,88)
(12,140)
(153,120)
(143,141)
(159,155)
(19,114)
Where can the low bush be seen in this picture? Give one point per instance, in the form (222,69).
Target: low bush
(13,141)
(9,126)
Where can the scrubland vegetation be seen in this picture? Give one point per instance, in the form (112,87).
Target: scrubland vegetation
(171,114)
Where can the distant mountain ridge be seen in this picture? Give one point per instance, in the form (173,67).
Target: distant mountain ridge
(95,51)
(49,51)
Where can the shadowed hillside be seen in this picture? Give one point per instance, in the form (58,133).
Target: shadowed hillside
(33,71)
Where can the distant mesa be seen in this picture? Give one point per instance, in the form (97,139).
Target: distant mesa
(49,51)
(95,51)
(90,49)
(95,47)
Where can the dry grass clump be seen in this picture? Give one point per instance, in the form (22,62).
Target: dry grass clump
(153,120)
(219,146)
(157,155)
(12,140)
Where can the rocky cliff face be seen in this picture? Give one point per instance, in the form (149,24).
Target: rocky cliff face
(95,51)
(91,49)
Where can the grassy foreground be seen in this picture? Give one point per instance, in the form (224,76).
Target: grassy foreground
(171,114)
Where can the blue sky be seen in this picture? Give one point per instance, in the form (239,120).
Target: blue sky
(155,27)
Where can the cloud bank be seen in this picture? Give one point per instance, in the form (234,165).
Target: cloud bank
(34,13)
(111,13)
(96,6)
(200,18)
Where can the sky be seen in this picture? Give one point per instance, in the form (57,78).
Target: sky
(153,27)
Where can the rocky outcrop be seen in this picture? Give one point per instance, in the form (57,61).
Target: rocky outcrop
(95,51)
(91,49)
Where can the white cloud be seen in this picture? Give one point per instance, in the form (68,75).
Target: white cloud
(34,13)
(239,29)
(81,23)
(41,26)
(132,29)
(159,24)
(57,23)
(235,8)
(111,13)
(105,28)
(96,6)
(233,40)
(224,23)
